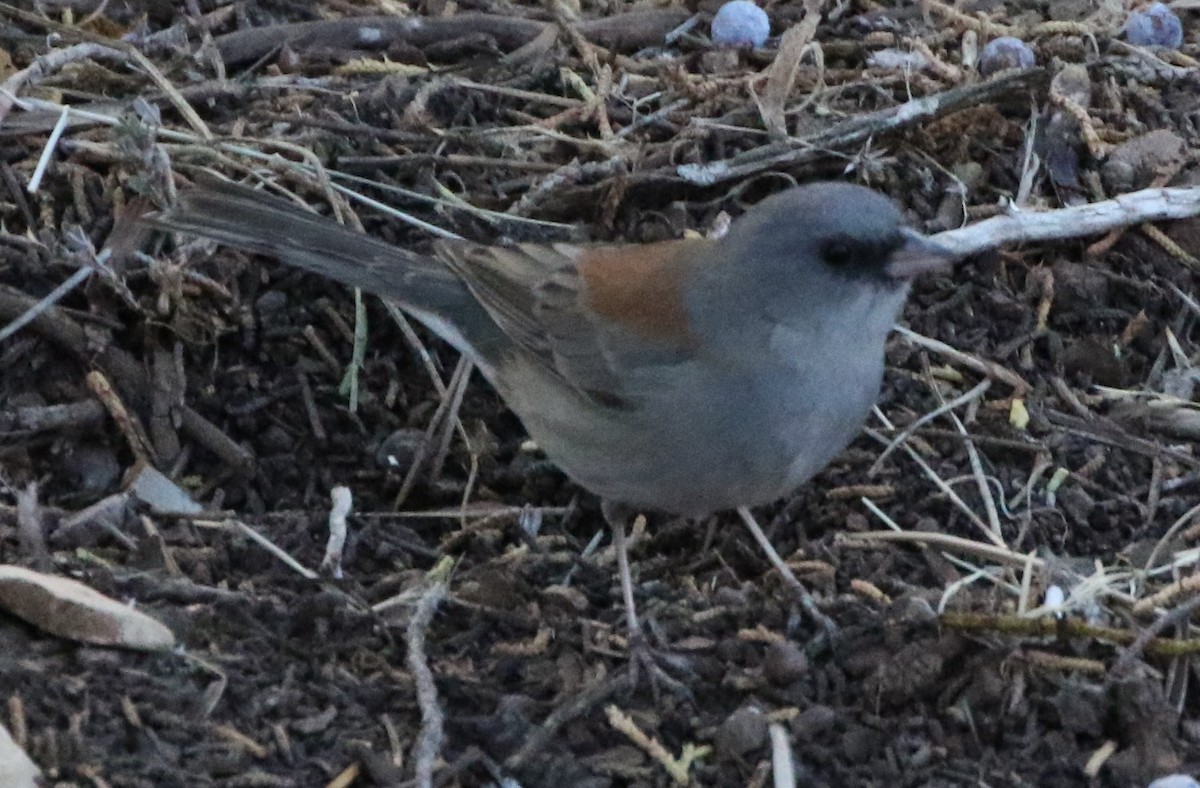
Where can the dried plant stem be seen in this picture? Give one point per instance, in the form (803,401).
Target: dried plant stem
(429,741)
(1147,205)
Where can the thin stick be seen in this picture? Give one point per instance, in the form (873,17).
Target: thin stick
(944,487)
(1147,205)
(275,550)
(425,449)
(854,131)
(429,741)
(789,578)
(1161,545)
(985,491)
(1150,633)
(341,501)
(783,773)
(621,548)
(989,368)
(456,393)
(574,707)
(39,171)
(49,300)
(677,768)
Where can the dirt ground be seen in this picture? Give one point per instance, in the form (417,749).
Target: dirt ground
(1069,461)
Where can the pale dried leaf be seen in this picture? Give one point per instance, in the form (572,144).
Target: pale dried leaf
(16,768)
(782,75)
(69,609)
(163,495)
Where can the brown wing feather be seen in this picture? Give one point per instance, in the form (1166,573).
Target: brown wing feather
(582,312)
(642,293)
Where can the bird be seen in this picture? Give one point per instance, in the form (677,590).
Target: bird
(686,376)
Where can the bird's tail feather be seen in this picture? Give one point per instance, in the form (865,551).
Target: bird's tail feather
(252,220)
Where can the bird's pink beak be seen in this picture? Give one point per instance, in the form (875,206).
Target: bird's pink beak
(920,254)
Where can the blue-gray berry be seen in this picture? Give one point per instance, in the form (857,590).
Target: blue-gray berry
(740,23)
(1154,26)
(1174,781)
(1001,54)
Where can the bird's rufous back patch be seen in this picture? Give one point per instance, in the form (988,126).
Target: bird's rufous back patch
(640,287)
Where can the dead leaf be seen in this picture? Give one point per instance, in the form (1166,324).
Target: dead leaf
(16,768)
(782,73)
(69,609)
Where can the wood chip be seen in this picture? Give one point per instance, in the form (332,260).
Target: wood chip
(69,609)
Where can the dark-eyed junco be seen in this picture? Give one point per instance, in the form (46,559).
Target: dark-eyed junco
(686,376)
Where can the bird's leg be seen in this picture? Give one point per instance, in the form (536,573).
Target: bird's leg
(789,578)
(632,624)
(643,655)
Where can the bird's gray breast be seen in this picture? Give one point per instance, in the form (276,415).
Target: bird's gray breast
(709,440)
(713,432)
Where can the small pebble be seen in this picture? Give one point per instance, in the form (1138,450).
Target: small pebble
(1077,504)
(26,399)
(276,440)
(740,23)
(812,722)
(719,61)
(730,597)
(860,744)
(1080,709)
(271,301)
(1154,26)
(741,732)
(1001,54)
(911,610)
(1136,162)
(92,468)
(971,174)
(784,663)
(731,651)
(399,449)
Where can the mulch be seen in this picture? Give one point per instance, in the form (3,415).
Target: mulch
(475,629)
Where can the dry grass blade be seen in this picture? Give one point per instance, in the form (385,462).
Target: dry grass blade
(989,368)
(997,553)
(945,489)
(970,396)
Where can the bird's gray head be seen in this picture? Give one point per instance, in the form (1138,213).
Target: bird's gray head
(825,257)
(836,230)
(828,243)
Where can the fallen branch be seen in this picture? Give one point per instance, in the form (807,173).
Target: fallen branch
(856,130)
(628,32)
(1017,226)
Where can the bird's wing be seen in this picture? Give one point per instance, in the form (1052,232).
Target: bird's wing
(591,315)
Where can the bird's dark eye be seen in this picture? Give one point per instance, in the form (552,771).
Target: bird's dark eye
(836,252)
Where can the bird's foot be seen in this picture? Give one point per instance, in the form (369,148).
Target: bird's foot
(829,629)
(656,666)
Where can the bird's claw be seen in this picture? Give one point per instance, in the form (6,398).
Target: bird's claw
(656,665)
